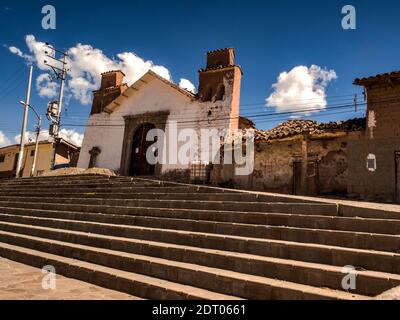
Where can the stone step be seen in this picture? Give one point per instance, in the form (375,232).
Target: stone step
(379,226)
(379,242)
(307,252)
(87,184)
(59,179)
(69,177)
(110,278)
(212,279)
(54,178)
(105,190)
(74,178)
(298,208)
(190,194)
(280,219)
(222,242)
(318,275)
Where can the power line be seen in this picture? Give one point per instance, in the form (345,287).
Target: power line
(311,110)
(12,78)
(349,104)
(10,89)
(258,115)
(205,120)
(263,104)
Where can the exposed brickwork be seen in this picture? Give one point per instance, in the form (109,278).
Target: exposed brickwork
(381,139)
(112,87)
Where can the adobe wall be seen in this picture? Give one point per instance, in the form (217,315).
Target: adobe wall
(326,160)
(381,139)
(378,185)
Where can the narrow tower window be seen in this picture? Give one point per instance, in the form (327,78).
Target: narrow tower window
(221,93)
(208,94)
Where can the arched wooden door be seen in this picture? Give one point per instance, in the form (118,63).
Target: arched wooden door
(139,164)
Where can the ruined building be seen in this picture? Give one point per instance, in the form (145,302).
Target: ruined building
(358,158)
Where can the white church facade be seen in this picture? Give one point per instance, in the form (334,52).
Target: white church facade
(122,115)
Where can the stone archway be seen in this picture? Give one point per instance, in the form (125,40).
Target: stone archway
(132,124)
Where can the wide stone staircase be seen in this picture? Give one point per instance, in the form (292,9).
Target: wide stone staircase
(161,240)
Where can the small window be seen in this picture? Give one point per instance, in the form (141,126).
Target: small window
(32,153)
(371,163)
(221,93)
(2,158)
(208,94)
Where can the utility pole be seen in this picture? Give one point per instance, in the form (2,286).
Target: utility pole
(36,146)
(18,172)
(38,129)
(60,73)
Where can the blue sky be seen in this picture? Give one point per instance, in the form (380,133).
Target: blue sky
(269,37)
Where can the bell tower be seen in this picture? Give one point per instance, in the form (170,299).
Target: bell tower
(111,87)
(219,83)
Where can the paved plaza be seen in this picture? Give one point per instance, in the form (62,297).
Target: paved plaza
(22,282)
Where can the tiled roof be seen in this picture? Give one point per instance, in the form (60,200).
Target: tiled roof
(293,128)
(378,77)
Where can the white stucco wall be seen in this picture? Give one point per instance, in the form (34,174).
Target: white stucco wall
(106,131)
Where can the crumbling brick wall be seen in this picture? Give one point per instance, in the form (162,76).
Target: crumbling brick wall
(327,166)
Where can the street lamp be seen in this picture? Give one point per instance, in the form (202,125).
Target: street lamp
(38,128)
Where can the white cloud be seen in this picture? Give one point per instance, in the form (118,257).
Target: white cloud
(31,136)
(45,87)
(38,52)
(186,84)
(72,136)
(4,141)
(86,65)
(69,135)
(162,71)
(16,51)
(301,88)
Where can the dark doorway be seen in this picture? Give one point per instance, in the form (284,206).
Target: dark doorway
(15,162)
(297,169)
(139,164)
(14,170)
(397,175)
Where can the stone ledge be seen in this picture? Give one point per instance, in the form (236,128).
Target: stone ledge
(393,294)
